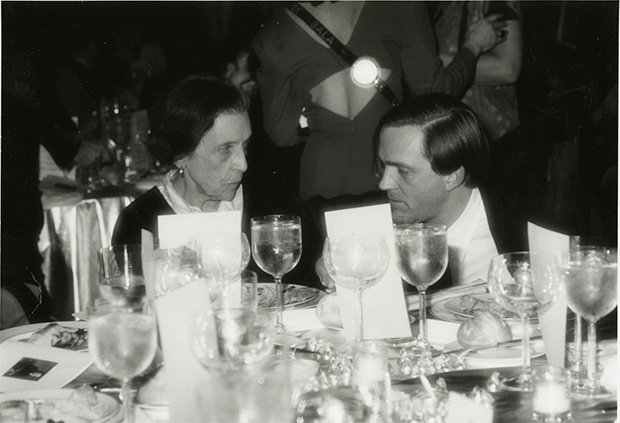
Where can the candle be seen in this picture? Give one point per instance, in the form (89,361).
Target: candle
(551,398)
(370,368)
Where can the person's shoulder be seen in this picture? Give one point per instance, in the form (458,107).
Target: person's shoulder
(151,200)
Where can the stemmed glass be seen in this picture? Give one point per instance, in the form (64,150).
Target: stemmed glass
(592,289)
(121,277)
(579,252)
(276,248)
(123,342)
(356,262)
(422,252)
(524,282)
(222,257)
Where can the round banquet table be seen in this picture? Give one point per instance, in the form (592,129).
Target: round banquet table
(508,406)
(76,225)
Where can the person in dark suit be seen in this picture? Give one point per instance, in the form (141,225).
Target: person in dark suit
(432,162)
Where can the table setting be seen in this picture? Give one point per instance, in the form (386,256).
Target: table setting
(184,332)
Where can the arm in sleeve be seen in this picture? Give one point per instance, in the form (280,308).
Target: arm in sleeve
(282,98)
(422,68)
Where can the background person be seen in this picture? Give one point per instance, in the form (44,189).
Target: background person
(300,74)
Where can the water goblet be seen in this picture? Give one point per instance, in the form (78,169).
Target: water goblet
(592,289)
(231,339)
(121,277)
(524,282)
(222,256)
(579,252)
(276,248)
(123,343)
(356,262)
(422,252)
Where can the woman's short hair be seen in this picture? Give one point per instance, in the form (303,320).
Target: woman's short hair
(453,134)
(187,111)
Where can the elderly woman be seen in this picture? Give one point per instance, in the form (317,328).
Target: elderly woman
(202,128)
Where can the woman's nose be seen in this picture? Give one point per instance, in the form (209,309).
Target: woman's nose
(241,162)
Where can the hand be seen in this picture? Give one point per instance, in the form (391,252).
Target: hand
(483,34)
(90,152)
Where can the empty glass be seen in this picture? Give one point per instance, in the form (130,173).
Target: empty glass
(121,277)
(356,262)
(524,282)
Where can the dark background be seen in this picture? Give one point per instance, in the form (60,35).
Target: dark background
(199,36)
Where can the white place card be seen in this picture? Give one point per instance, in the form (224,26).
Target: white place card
(175,227)
(186,378)
(25,366)
(553,319)
(384,307)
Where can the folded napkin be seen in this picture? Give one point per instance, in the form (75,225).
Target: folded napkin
(301,320)
(477,287)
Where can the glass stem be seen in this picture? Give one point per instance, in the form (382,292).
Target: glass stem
(359,315)
(592,380)
(526,371)
(577,342)
(279,304)
(127,400)
(423,327)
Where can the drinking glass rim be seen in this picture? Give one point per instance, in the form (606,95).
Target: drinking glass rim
(504,256)
(436,228)
(275,218)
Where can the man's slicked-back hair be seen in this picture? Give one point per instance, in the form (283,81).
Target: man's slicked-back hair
(453,134)
(187,111)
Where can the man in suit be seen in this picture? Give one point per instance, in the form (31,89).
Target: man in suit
(432,162)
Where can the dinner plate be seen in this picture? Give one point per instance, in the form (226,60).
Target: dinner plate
(498,357)
(112,413)
(294,295)
(441,312)
(453,305)
(21,333)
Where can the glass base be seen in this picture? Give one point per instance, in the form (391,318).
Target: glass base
(522,383)
(552,417)
(585,390)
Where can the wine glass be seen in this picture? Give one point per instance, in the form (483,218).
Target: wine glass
(356,262)
(121,277)
(276,248)
(222,257)
(524,282)
(579,252)
(230,339)
(422,251)
(592,289)
(123,342)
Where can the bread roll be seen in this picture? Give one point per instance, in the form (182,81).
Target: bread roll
(483,329)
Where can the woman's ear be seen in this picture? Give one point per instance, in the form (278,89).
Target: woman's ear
(455,179)
(180,164)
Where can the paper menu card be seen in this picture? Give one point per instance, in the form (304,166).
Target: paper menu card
(25,366)
(185,376)
(553,319)
(176,227)
(384,307)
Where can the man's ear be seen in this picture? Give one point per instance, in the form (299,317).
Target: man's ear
(455,179)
